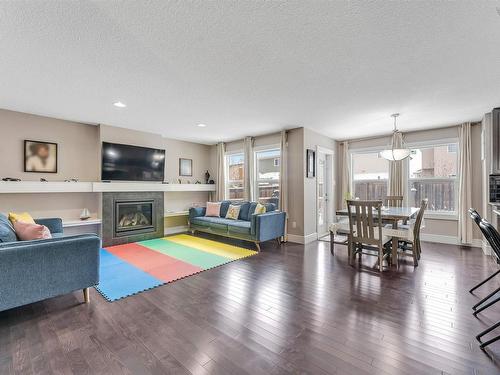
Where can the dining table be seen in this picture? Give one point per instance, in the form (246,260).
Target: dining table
(392,215)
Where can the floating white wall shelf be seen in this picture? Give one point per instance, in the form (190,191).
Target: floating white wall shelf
(15,187)
(149,186)
(79,223)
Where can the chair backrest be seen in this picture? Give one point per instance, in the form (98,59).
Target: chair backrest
(393,201)
(420,217)
(491,235)
(365,221)
(475,216)
(489,232)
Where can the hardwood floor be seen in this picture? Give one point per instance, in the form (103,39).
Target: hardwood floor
(286,310)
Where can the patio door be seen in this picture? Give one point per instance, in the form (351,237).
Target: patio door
(324,190)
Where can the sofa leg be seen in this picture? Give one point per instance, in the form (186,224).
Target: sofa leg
(86,295)
(278,241)
(257,245)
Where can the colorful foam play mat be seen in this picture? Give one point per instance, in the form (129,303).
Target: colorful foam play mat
(132,268)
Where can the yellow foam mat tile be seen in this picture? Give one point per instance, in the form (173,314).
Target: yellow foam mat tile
(214,247)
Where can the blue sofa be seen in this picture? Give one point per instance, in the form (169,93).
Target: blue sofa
(32,271)
(248,227)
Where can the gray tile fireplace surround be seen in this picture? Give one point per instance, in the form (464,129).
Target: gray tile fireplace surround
(110,202)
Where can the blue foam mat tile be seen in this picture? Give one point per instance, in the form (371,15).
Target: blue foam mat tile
(119,279)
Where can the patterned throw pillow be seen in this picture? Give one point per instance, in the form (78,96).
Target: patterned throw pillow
(260,209)
(233,212)
(213,209)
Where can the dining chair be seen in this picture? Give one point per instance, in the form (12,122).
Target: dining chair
(493,237)
(365,231)
(339,232)
(409,234)
(393,201)
(477,219)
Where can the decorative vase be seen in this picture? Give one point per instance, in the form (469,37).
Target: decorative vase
(85,214)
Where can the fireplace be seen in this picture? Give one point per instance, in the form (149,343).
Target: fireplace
(131,217)
(134,217)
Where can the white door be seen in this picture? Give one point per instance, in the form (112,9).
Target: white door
(324,190)
(322,194)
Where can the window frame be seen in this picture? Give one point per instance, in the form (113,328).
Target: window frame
(264,148)
(227,155)
(439,215)
(364,150)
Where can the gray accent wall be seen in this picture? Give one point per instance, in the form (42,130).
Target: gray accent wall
(108,210)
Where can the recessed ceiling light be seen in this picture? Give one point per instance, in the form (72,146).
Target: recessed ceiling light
(202,126)
(119,104)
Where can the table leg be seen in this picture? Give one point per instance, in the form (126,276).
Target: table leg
(395,243)
(332,244)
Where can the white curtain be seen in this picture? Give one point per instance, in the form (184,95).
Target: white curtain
(220,191)
(249,173)
(396,178)
(283,202)
(465,183)
(345,166)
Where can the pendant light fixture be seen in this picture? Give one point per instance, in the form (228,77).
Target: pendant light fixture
(398,149)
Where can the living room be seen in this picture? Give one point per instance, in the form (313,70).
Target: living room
(249,187)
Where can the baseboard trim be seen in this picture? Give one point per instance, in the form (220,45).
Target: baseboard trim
(449,240)
(437,238)
(302,239)
(175,230)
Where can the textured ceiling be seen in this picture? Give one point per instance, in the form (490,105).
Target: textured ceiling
(247,68)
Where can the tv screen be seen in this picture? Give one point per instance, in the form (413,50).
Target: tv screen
(132,163)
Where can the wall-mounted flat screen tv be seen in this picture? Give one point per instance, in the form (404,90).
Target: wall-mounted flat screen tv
(131,163)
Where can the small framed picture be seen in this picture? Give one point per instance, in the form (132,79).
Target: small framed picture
(311,163)
(185,167)
(40,157)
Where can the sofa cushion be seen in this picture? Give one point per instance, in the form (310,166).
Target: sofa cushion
(28,232)
(211,222)
(251,210)
(23,216)
(270,207)
(223,208)
(7,233)
(260,209)
(233,212)
(239,226)
(235,226)
(213,209)
(244,207)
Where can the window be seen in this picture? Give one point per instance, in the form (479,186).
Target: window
(433,175)
(267,166)
(234,176)
(369,175)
